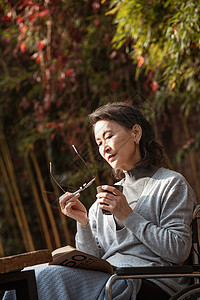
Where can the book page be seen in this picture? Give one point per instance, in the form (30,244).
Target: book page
(74,258)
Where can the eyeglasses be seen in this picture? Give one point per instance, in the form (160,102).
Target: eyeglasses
(81,188)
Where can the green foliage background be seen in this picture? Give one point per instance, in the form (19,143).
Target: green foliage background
(60,60)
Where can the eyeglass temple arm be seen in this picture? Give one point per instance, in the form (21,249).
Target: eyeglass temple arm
(51,173)
(79,155)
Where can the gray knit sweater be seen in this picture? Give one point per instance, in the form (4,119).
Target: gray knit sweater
(156,233)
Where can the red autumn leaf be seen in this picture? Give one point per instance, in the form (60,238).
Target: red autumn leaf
(23,28)
(23,47)
(40,127)
(33,17)
(19,19)
(38,59)
(5,19)
(95,7)
(25,4)
(154,86)
(68,73)
(96,22)
(140,60)
(44,13)
(51,125)
(41,45)
(193,46)
(53,136)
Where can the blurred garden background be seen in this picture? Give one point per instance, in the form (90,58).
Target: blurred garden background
(59,60)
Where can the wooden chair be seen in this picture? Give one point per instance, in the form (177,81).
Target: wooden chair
(23,282)
(191,270)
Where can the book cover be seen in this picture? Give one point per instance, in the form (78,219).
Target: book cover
(71,257)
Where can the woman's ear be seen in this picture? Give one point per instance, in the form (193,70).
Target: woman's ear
(136,131)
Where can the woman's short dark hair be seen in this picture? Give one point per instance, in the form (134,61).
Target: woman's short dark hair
(127,116)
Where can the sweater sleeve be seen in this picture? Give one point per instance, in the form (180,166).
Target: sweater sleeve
(169,235)
(86,237)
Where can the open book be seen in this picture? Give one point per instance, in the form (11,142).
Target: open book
(74,258)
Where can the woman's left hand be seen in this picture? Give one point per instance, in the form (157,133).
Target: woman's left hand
(115,202)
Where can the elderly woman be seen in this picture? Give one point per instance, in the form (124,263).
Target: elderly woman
(147,224)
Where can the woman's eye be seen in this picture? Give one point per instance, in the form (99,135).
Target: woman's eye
(99,144)
(109,137)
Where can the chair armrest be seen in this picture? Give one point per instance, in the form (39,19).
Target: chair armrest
(20,261)
(177,269)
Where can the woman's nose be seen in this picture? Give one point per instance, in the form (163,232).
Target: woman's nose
(106,149)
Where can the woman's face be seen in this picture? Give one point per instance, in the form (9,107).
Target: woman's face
(117,145)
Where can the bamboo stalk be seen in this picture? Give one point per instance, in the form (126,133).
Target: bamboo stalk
(11,172)
(38,205)
(192,157)
(10,217)
(48,208)
(65,228)
(14,203)
(1,248)
(63,218)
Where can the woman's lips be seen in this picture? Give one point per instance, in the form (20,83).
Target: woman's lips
(111,157)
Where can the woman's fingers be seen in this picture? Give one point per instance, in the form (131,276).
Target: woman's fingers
(66,198)
(73,208)
(68,207)
(114,201)
(107,198)
(111,189)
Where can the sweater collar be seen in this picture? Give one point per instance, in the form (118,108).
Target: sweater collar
(140,172)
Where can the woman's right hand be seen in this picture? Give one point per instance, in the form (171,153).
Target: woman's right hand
(73,208)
